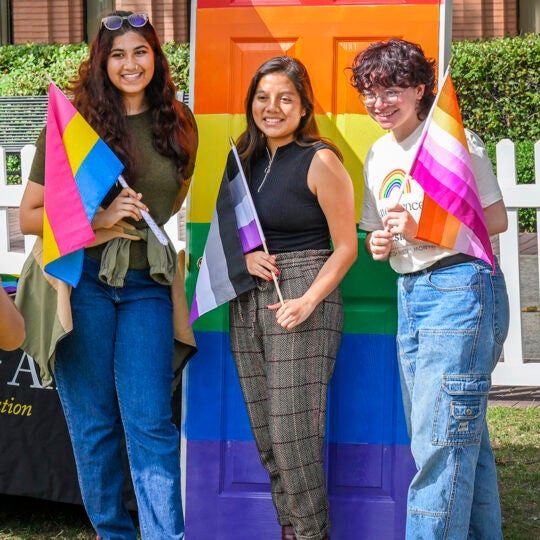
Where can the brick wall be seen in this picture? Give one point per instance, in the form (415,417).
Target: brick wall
(170,18)
(475,19)
(62,21)
(49,21)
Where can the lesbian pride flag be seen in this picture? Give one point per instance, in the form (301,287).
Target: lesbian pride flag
(79,171)
(234,230)
(452,214)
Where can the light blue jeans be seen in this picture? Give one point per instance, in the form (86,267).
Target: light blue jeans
(114,375)
(452,324)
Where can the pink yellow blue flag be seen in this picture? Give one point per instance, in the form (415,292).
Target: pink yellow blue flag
(79,171)
(452,214)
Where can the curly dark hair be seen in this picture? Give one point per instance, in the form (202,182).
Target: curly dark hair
(100,102)
(395,62)
(251,143)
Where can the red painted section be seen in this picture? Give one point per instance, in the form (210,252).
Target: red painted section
(202,4)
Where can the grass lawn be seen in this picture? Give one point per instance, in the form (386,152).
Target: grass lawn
(515,435)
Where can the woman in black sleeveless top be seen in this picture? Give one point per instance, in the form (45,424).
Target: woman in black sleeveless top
(285,354)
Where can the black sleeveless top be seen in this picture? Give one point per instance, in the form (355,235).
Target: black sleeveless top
(290,215)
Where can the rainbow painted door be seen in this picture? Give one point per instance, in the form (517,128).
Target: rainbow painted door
(367,453)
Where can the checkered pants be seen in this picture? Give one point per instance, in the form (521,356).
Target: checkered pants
(284,376)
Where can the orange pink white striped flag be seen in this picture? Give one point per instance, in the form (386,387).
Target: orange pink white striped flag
(452,214)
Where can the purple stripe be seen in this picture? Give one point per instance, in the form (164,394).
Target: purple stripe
(249,236)
(194,311)
(227,488)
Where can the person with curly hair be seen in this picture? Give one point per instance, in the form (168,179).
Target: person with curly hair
(452,308)
(115,369)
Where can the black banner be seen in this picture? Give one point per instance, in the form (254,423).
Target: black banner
(36,457)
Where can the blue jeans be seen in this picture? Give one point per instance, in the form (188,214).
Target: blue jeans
(452,324)
(114,375)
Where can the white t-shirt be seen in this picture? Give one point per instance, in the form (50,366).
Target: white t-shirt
(386,166)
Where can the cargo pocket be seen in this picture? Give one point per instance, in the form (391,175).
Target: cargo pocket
(460,410)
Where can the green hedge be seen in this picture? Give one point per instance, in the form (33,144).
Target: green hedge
(26,69)
(498,85)
(497,82)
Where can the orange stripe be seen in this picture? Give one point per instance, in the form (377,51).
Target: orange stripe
(447,113)
(436,225)
(239,40)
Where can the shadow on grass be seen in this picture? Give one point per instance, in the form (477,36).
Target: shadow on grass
(24,518)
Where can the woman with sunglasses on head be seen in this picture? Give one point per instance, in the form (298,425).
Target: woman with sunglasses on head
(452,308)
(285,354)
(115,369)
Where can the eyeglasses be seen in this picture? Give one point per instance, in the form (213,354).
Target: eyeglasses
(115,22)
(388,96)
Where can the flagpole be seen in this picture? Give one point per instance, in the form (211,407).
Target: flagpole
(241,170)
(148,218)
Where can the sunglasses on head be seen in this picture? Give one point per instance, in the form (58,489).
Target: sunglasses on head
(114,22)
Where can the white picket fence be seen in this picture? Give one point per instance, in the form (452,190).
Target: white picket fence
(10,197)
(513,370)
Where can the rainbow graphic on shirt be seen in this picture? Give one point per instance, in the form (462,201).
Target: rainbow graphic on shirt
(392,184)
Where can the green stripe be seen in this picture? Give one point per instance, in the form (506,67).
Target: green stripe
(369,291)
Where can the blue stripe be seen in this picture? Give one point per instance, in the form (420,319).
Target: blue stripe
(365,408)
(96,175)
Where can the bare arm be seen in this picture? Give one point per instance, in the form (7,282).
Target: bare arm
(31,210)
(330,182)
(496,217)
(11,324)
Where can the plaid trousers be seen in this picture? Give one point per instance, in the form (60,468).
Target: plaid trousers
(284,375)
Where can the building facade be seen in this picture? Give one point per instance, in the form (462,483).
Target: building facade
(74,21)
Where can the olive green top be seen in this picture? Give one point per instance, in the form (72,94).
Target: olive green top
(156,181)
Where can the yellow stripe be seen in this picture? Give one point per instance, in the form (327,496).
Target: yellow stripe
(352,133)
(450,124)
(79,138)
(50,247)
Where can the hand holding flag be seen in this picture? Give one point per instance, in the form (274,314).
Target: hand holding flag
(80,169)
(234,231)
(452,214)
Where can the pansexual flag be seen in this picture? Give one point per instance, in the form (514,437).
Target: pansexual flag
(452,214)
(79,171)
(234,230)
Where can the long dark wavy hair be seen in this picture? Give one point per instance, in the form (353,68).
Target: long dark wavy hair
(252,143)
(395,62)
(101,104)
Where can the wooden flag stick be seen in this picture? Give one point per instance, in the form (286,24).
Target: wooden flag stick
(274,277)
